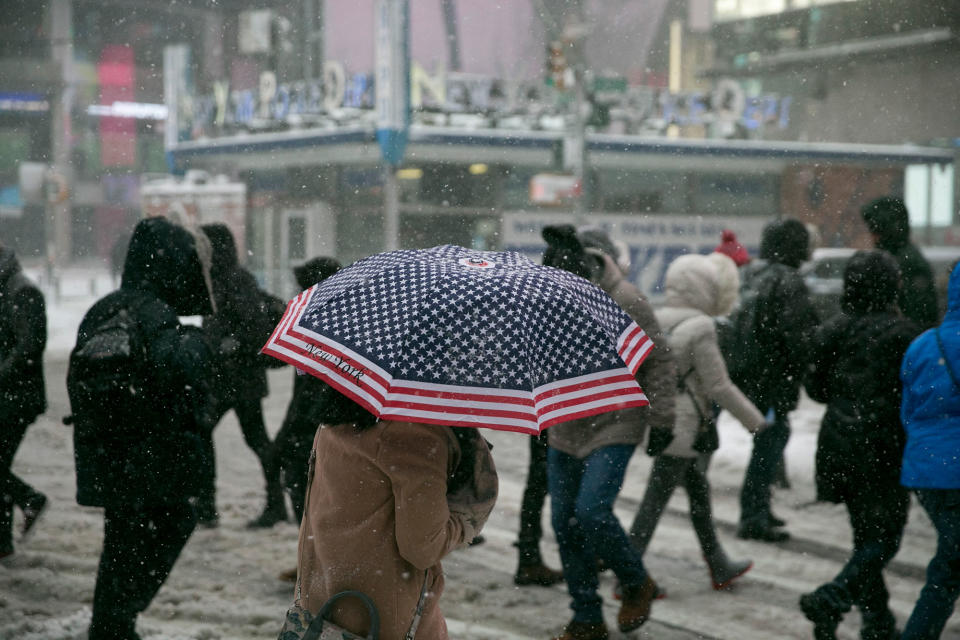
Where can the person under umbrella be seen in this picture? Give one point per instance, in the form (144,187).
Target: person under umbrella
(422,344)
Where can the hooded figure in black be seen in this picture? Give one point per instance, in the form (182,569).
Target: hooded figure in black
(237,331)
(295,438)
(784,320)
(23,337)
(855,371)
(137,450)
(889,222)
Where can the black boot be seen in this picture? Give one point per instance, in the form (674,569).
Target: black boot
(878,626)
(821,610)
(274,512)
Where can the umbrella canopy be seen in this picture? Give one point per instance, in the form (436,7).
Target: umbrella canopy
(454,336)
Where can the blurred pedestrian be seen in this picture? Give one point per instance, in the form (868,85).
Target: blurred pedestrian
(854,370)
(531,569)
(237,331)
(930,411)
(387,500)
(697,289)
(889,223)
(587,459)
(771,327)
(295,438)
(137,383)
(731,247)
(23,337)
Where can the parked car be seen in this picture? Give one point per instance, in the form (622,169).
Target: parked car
(824,275)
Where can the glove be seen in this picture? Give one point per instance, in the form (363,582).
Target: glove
(660,438)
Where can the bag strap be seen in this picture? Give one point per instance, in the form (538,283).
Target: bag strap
(943,352)
(682,382)
(418,613)
(316,625)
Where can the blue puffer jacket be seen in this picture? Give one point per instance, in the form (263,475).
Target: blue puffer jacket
(931,403)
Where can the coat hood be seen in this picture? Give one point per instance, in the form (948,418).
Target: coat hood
(314,271)
(9,264)
(170,262)
(224,259)
(871,283)
(785,242)
(888,220)
(564,250)
(597,241)
(706,283)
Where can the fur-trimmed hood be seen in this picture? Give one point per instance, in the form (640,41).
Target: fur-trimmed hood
(707,283)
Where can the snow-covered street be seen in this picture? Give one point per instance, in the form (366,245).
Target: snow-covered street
(225,586)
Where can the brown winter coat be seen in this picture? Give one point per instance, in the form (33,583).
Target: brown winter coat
(699,287)
(656,376)
(376,520)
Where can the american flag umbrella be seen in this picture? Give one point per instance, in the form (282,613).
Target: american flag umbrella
(459,337)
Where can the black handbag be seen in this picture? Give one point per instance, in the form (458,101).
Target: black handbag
(301,625)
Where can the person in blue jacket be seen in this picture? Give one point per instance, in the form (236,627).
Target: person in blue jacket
(930,412)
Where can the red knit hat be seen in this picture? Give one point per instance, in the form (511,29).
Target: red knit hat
(731,247)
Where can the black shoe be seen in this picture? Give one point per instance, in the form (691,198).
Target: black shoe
(478,540)
(825,618)
(762,533)
(269,517)
(32,511)
(538,574)
(774,521)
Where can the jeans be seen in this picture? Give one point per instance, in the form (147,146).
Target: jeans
(531,508)
(939,594)
(582,494)
(768,446)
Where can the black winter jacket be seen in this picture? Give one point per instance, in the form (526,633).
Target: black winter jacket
(240,327)
(23,337)
(856,371)
(785,323)
(151,458)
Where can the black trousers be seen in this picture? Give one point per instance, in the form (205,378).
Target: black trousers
(13,490)
(140,547)
(531,507)
(877,521)
(250,415)
(668,472)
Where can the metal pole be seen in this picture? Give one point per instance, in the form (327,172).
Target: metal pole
(391,208)
(57,225)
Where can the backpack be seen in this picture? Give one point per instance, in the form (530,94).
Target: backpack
(106,378)
(741,336)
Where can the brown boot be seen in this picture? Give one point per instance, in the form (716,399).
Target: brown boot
(584,631)
(636,605)
(538,574)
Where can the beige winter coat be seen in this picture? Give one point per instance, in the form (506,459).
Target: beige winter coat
(698,288)
(377,520)
(656,376)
